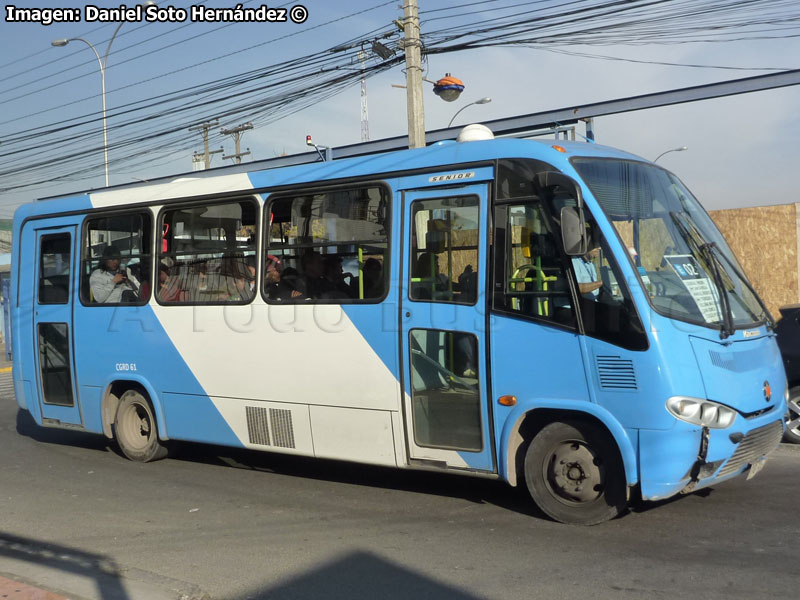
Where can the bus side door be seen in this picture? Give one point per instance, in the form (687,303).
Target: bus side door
(443,322)
(52,323)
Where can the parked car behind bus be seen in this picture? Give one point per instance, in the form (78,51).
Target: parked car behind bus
(788,331)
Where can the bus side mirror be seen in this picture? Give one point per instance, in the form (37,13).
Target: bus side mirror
(573,231)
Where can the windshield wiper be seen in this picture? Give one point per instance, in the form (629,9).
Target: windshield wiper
(727,316)
(706,249)
(767,316)
(768,320)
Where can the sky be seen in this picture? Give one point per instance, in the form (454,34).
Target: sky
(741,149)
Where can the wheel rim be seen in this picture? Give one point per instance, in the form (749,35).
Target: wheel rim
(793,422)
(136,427)
(574,473)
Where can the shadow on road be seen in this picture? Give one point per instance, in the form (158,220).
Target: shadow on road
(472,489)
(100,569)
(27,426)
(480,491)
(360,575)
(641,506)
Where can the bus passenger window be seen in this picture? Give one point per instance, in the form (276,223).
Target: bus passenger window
(535,280)
(210,255)
(54,269)
(328,247)
(445,389)
(116,259)
(444,250)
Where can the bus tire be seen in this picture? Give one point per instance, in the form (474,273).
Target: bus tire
(792,433)
(574,473)
(135,428)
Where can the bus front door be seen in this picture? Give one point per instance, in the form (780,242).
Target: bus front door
(443,328)
(52,320)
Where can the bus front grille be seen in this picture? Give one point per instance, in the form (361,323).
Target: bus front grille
(753,446)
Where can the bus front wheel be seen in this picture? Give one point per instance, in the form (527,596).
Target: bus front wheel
(574,474)
(792,433)
(135,429)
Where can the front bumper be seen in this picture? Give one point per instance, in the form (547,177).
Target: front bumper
(685,459)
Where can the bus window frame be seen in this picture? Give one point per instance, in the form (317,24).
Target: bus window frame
(143,209)
(500,260)
(40,267)
(205,201)
(476,248)
(301,190)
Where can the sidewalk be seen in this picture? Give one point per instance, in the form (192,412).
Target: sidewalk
(14,590)
(5,364)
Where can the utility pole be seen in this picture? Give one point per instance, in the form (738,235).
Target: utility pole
(364,116)
(236,132)
(204,127)
(412,47)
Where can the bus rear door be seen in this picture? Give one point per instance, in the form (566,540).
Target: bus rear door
(443,335)
(52,322)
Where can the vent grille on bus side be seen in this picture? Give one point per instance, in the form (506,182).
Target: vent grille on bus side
(282,431)
(258,427)
(616,373)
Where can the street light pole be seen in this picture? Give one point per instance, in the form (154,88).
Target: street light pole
(102,63)
(681,149)
(481,101)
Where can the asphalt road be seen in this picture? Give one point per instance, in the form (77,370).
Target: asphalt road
(77,518)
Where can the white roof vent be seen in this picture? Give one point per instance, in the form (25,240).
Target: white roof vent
(475,133)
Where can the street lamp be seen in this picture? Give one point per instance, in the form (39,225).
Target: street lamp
(681,149)
(64,41)
(481,101)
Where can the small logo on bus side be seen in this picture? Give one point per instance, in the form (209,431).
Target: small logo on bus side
(452,177)
(767,391)
(751,333)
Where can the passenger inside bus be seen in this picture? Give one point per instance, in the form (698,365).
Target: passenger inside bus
(235,278)
(372,275)
(250,273)
(334,286)
(110,284)
(430,284)
(280,284)
(311,265)
(169,287)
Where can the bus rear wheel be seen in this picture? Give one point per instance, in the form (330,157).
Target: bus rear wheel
(135,428)
(574,474)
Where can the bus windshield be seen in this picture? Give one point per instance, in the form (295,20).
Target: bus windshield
(683,262)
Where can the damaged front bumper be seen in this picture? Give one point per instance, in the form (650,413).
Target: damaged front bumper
(678,461)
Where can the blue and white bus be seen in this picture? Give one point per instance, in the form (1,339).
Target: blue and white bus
(564,317)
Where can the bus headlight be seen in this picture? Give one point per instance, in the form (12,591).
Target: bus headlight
(701,412)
